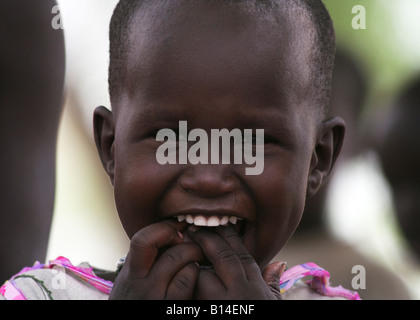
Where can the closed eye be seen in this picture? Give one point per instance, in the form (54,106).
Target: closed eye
(168,134)
(258,139)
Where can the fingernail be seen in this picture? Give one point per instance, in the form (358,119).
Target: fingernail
(283,265)
(180,235)
(282,268)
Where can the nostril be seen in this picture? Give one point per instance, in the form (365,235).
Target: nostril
(207,182)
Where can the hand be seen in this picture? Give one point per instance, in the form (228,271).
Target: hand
(236,275)
(159,265)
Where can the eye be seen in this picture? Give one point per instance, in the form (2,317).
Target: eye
(253,139)
(178,136)
(167,134)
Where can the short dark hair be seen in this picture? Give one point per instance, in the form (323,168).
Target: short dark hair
(322,55)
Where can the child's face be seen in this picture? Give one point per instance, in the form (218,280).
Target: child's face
(212,82)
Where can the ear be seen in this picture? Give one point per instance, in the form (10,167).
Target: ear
(328,146)
(103,130)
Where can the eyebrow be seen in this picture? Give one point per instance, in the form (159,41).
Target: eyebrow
(158,115)
(267,118)
(270,117)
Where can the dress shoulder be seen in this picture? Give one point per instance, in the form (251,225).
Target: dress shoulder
(57,280)
(317,287)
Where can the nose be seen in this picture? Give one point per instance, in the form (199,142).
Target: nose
(208,180)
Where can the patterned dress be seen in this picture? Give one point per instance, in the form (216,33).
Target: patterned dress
(60,280)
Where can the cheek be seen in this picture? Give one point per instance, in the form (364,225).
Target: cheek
(281,199)
(139,183)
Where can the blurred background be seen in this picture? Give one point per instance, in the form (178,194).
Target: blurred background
(360,204)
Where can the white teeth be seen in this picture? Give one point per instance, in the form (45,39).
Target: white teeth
(190,219)
(200,221)
(224,221)
(233,219)
(212,221)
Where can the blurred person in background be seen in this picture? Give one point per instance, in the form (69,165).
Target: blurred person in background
(398,146)
(313,238)
(32,67)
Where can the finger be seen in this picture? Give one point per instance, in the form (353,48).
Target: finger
(209,286)
(145,245)
(272,274)
(223,258)
(179,226)
(174,259)
(183,285)
(231,236)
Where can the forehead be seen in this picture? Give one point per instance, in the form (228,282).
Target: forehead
(208,50)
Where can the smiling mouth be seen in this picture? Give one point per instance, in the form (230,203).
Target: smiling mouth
(208,221)
(213,221)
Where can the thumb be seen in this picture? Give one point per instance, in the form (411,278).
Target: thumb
(272,274)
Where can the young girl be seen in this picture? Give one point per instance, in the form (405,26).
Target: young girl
(205,230)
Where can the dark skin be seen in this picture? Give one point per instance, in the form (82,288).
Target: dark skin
(32,65)
(233,86)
